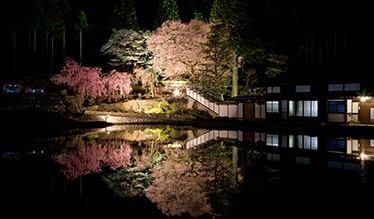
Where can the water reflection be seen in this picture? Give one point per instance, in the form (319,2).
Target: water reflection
(170,172)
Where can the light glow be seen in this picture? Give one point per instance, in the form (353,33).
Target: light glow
(364,98)
(363,156)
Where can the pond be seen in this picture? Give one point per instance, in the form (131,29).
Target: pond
(184,172)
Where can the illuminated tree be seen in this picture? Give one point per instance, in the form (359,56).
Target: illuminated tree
(118,84)
(177,48)
(82,80)
(90,82)
(216,76)
(147,79)
(127,49)
(257,61)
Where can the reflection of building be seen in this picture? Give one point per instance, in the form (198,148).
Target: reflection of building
(299,148)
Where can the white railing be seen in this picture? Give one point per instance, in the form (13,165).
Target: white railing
(223,109)
(214,135)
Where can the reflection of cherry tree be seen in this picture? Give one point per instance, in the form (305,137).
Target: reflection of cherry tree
(134,180)
(177,187)
(90,159)
(118,156)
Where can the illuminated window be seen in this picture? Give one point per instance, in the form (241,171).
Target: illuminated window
(307,142)
(272,106)
(310,142)
(371,113)
(272,140)
(336,106)
(291,108)
(336,145)
(302,88)
(291,141)
(335,87)
(303,108)
(275,89)
(352,87)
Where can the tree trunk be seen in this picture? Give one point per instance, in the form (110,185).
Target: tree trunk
(235,76)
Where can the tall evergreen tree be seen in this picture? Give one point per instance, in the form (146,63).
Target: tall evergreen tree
(234,18)
(167,10)
(81,26)
(125,15)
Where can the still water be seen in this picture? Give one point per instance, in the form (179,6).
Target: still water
(184,172)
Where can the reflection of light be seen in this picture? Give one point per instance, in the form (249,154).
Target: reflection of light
(363,156)
(105,118)
(364,98)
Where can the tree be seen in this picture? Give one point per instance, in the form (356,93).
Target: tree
(54,26)
(167,10)
(81,26)
(147,79)
(125,15)
(127,48)
(177,48)
(216,76)
(233,18)
(85,81)
(90,82)
(118,84)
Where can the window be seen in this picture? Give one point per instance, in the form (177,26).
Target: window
(352,87)
(336,106)
(303,108)
(310,142)
(307,142)
(336,145)
(275,89)
(272,106)
(345,87)
(291,108)
(335,87)
(302,88)
(272,140)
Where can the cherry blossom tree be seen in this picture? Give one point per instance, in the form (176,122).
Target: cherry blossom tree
(82,80)
(117,84)
(147,79)
(90,82)
(177,48)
